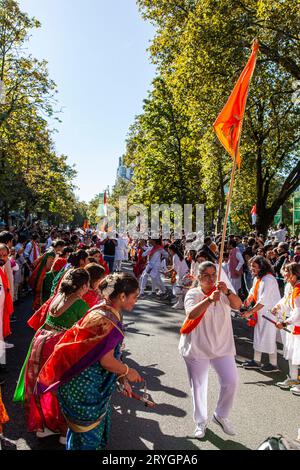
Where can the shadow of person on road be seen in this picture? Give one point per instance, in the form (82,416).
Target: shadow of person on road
(150,373)
(222,444)
(130,431)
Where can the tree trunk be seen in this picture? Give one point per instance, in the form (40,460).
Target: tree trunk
(264,220)
(6,215)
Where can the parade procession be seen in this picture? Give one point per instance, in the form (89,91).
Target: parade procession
(156,312)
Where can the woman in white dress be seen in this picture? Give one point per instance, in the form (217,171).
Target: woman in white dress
(207,340)
(292,322)
(179,269)
(263,295)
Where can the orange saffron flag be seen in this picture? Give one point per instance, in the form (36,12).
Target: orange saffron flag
(228,125)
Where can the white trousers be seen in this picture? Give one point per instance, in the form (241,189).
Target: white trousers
(118,265)
(226,370)
(156,280)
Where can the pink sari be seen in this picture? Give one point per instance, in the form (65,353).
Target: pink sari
(42,411)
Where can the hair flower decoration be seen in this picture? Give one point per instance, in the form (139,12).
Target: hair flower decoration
(110,288)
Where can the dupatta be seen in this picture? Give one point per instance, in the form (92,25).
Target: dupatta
(97,333)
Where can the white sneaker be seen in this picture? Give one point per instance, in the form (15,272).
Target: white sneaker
(296,390)
(225,424)
(62,440)
(200,430)
(287,383)
(46,433)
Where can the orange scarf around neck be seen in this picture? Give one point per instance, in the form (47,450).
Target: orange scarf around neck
(189,325)
(296,293)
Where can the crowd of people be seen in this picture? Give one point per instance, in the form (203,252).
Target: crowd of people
(80,290)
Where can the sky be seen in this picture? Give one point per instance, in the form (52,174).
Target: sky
(97,55)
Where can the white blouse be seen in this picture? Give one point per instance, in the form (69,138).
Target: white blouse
(213,337)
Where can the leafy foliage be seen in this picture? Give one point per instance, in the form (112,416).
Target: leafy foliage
(33,178)
(200,48)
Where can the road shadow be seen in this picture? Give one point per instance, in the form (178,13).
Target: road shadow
(151,374)
(142,433)
(222,444)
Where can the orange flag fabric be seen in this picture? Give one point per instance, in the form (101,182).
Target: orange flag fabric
(228,125)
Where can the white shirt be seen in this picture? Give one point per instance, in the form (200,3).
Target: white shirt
(240,259)
(194,271)
(279,234)
(29,251)
(284,305)
(213,337)
(225,267)
(264,332)
(49,243)
(180,267)
(10,276)
(121,249)
(2,298)
(155,259)
(294,318)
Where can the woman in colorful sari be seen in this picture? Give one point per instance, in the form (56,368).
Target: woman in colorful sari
(42,265)
(57,266)
(77,259)
(97,274)
(92,296)
(86,364)
(66,308)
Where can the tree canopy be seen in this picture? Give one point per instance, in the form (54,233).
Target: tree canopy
(33,177)
(200,48)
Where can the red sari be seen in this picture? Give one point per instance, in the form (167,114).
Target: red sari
(8,304)
(37,278)
(44,411)
(139,266)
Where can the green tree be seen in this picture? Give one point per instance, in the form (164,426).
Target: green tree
(166,168)
(32,176)
(200,49)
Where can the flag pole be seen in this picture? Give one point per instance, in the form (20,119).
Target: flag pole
(231,116)
(227,213)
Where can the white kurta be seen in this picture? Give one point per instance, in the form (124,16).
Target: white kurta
(237,282)
(194,271)
(180,267)
(153,266)
(9,273)
(264,332)
(284,309)
(213,337)
(292,349)
(121,250)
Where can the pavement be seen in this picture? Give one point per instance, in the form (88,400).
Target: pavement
(151,346)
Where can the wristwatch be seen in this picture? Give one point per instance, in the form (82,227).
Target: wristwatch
(229,292)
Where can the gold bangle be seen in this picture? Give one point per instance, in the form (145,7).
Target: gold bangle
(126,373)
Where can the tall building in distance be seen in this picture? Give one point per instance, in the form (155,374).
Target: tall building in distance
(124,171)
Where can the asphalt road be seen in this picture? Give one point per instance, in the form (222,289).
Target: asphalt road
(261,409)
